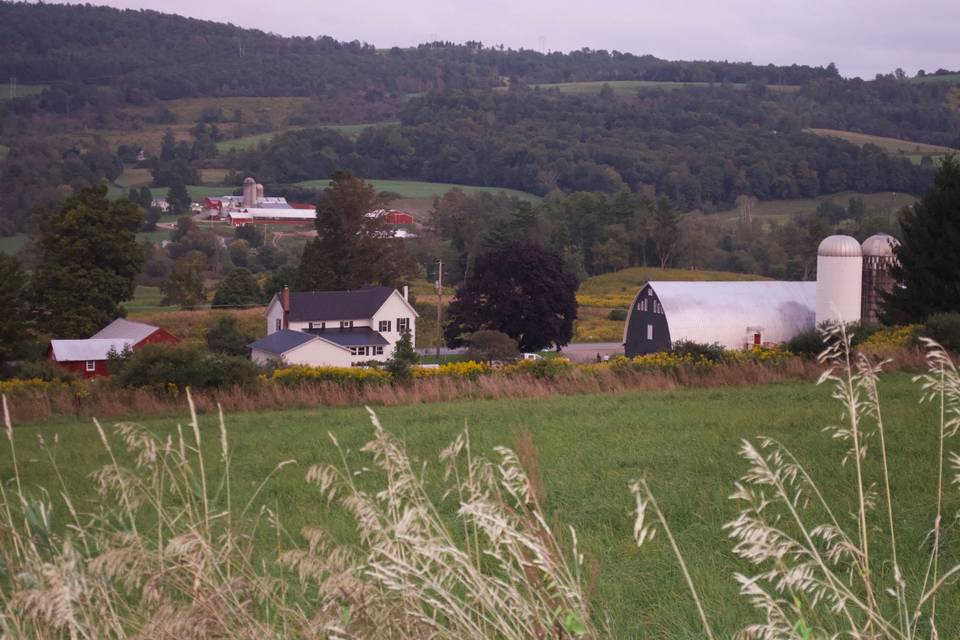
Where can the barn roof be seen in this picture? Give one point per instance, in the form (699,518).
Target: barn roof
(722,312)
(128,329)
(89,349)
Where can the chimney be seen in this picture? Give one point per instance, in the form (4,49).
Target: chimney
(406,293)
(285,303)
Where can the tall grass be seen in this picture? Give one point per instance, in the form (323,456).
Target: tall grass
(820,569)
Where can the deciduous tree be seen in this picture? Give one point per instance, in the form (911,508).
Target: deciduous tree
(238,289)
(13,320)
(89,257)
(520,289)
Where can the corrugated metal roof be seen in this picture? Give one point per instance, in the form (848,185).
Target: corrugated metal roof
(307,306)
(123,328)
(280,342)
(351,337)
(722,311)
(89,349)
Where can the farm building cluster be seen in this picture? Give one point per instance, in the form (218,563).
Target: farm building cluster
(850,281)
(254,207)
(88,358)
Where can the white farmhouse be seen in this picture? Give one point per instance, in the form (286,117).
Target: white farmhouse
(334,328)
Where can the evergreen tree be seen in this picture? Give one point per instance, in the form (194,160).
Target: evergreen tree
(185,284)
(13,321)
(178,198)
(404,356)
(351,249)
(928,270)
(520,289)
(89,257)
(238,289)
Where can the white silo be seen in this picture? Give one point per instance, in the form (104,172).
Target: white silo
(249,192)
(839,279)
(259,191)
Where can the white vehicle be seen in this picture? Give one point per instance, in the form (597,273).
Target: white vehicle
(531,356)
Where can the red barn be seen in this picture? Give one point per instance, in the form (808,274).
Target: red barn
(399,217)
(88,358)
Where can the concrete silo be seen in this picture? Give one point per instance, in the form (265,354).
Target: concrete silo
(839,279)
(259,191)
(878,257)
(249,192)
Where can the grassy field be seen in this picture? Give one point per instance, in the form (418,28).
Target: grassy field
(617,289)
(23,90)
(630,87)
(275,110)
(781,211)
(251,141)
(684,442)
(11,245)
(417,189)
(894,146)
(947,77)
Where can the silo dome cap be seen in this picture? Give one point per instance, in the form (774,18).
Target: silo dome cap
(839,246)
(249,181)
(880,245)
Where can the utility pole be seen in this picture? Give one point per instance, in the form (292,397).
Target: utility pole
(439,285)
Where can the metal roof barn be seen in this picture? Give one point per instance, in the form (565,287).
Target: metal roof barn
(733,314)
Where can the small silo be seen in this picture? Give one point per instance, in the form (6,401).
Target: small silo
(249,192)
(839,279)
(259,191)
(878,258)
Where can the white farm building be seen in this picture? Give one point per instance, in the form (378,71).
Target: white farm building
(744,314)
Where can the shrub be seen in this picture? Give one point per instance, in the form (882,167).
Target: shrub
(543,369)
(159,365)
(403,358)
(945,329)
(43,370)
(490,345)
(224,336)
(808,344)
(618,315)
(470,370)
(700,352)
(358,376)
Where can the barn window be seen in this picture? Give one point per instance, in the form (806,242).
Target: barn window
(649,332)
(91,365)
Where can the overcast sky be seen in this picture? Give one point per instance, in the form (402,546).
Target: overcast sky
(862,37)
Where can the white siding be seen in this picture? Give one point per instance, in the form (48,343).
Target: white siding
(320,353)
(274,313)
(393,308)
(262,358)
(330,324)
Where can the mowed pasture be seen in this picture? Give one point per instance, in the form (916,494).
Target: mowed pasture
(22,91)
(248,142)
(630,87)
(895,146)
(415,189)
(589,448)
(780,211)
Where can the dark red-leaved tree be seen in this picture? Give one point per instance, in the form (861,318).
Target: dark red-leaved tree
(520,289)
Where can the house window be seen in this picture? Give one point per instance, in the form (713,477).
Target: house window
(378,351)
(279,324)
(649,332)
(91,365)
(385,326)
(403,324)
(346,324)
(354,351)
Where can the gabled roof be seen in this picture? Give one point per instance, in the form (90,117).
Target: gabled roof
(280,342)
(351,337)
(722,311)
(89,349)
(306,306)
(127,329)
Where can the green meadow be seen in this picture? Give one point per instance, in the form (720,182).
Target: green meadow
(590,447)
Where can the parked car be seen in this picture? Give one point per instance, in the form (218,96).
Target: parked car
(531,356)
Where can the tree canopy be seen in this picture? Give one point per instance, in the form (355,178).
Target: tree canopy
(520,289)
(928,270)
(89,257)
(352,249)
(238,289)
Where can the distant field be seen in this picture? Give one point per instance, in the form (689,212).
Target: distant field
(949,77)
(23,90)
(890,145)
(781,211)
(417,189)
(276,110)
(11,245)
(617,289)
(134,177)
(633,86)
(4,150)
(251,141)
